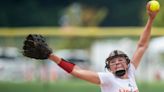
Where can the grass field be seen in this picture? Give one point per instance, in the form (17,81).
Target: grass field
(69,86)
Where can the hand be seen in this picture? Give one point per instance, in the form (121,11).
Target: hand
(152,14)
(36,47)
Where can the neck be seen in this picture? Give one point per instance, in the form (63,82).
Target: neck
(125,76)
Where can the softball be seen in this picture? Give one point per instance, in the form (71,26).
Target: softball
(154,5)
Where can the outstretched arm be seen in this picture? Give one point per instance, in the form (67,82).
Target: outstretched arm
(35,46)
(89,76)
(144,38)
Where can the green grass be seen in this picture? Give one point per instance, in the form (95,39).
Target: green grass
(151,87)
(69,86)
(59,86)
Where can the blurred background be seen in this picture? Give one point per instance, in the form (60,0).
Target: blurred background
(81,31)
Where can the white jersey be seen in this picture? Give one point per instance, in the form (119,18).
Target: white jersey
(111,83)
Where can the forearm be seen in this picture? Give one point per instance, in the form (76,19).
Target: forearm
(143,43)
(75,70)
(145,36)
(86,75)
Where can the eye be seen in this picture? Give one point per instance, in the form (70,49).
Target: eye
(120,59)
(112,61)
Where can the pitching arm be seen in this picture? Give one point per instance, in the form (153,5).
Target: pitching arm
(144,38)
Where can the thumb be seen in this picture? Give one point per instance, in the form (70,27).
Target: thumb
(148,6)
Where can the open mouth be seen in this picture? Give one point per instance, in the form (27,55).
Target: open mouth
(119,68)
(120,73)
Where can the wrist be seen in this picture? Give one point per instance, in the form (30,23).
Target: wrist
(150,20)
(152,16)
(54,58)
(67,66)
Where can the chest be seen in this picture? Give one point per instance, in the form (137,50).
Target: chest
(127,85)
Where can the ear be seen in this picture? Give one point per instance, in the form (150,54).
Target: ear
(106,64)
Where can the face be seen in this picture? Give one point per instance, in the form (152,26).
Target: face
(118,63)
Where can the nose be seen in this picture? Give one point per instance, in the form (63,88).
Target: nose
(117,62)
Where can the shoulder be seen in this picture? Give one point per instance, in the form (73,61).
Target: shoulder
(105,77)
(131,70)
(105,74)
(132,66)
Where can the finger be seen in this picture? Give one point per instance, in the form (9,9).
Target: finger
(148,6)
(40,38)
(29,37)
(30,43)
(29,53)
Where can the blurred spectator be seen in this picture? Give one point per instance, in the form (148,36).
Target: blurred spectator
(82,15)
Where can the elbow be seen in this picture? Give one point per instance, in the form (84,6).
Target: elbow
(143,46)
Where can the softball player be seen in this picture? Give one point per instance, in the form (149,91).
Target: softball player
(121,70)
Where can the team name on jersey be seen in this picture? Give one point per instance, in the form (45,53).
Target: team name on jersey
(126,90)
